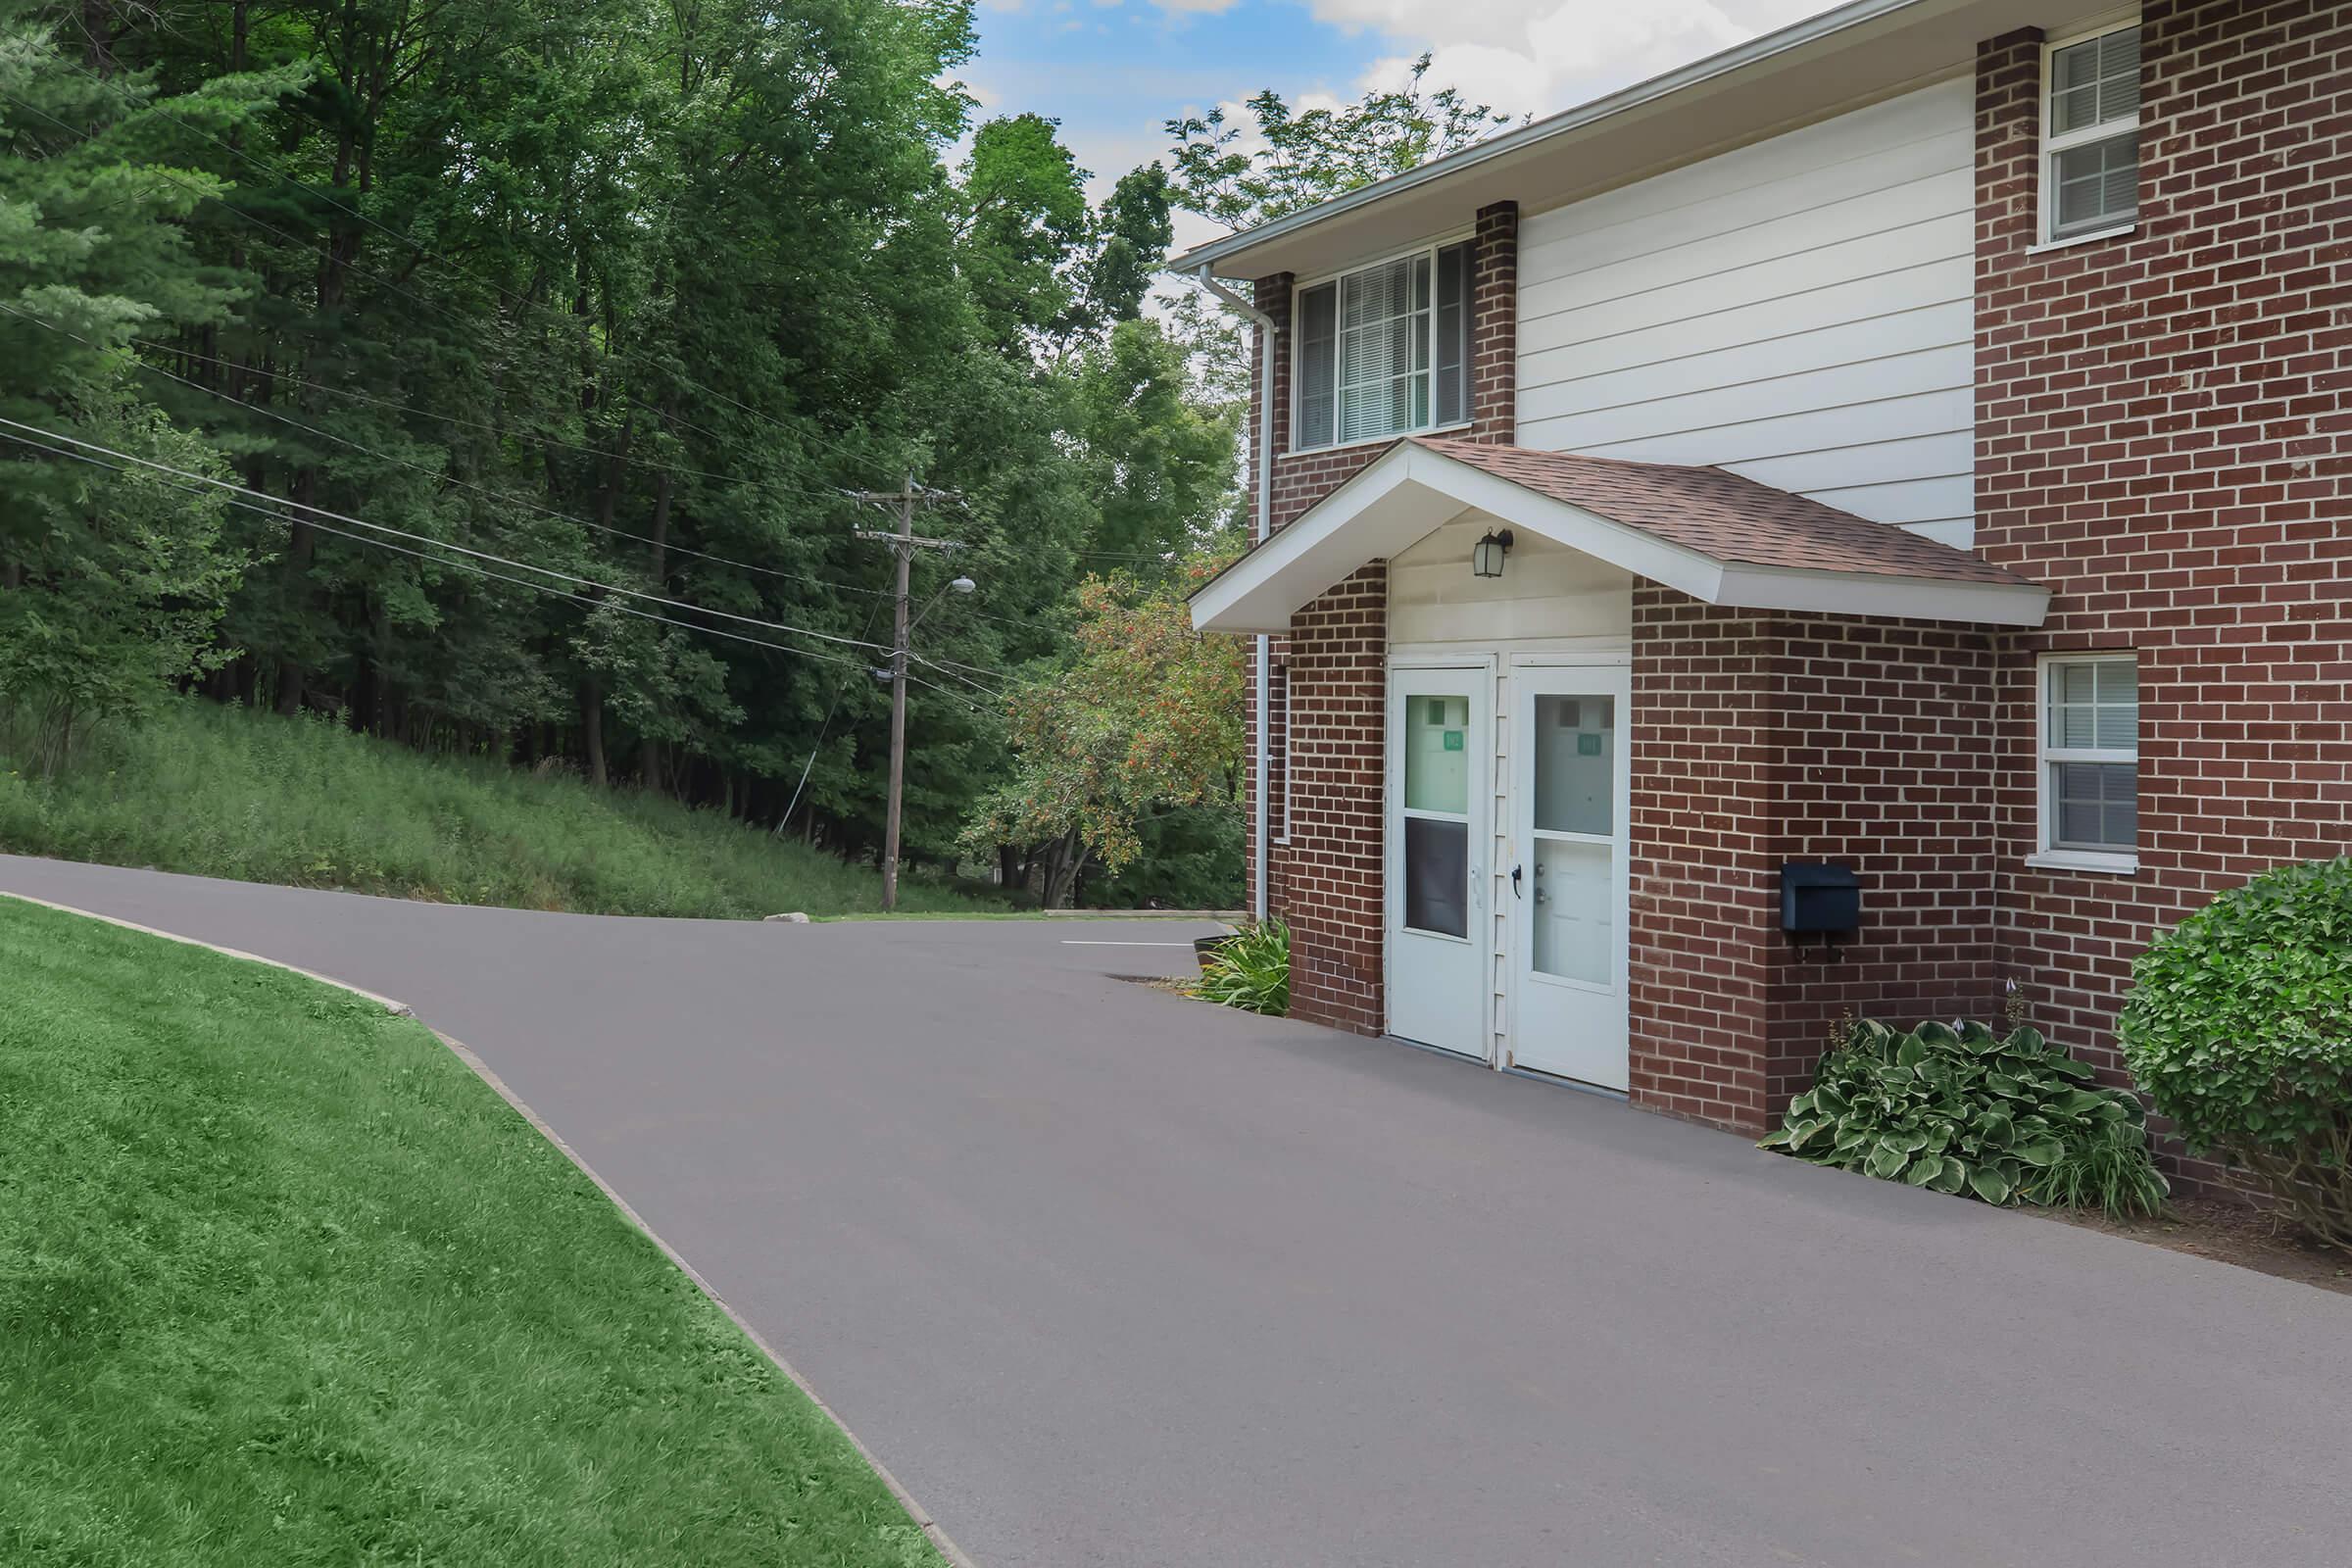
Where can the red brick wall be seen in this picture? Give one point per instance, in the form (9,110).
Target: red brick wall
(2161,437)
(1327,879)
(1771,738)
(1495,325)
(1700,930)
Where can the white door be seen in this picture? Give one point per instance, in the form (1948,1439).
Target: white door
(1440,787)
(1568,884)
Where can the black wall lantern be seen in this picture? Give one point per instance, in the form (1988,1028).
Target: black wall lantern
(1486,557)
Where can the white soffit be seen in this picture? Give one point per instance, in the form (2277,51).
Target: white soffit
(1837,61)
(1409,492)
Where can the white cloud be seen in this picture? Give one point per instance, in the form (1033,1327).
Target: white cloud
(1541,57)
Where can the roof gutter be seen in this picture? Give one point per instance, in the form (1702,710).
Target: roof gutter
(1738,57)
(1264,443)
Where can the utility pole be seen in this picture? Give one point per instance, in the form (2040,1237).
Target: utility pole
(903,543)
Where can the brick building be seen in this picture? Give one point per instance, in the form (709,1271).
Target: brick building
(1911,444)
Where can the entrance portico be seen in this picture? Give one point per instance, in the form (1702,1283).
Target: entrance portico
(1535,821)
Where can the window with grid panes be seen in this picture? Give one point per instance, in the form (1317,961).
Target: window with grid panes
(2090,755)
(2090,134)
(1384,350)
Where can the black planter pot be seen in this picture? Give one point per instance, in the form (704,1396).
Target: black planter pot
(1205,948)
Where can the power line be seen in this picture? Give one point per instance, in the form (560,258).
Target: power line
(433,474)
(442,543)
(654,464)
(955,670)
(277,516)
(800,433)
(149,107)
(840,689)
(946,691)
(518,501)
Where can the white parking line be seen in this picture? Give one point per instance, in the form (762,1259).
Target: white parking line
(1082,942)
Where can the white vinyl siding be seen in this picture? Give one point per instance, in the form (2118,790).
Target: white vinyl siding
(1798,311)
(2089,728)
(2090,134)
(1383,350)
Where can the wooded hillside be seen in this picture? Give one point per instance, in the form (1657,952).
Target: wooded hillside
(494,375)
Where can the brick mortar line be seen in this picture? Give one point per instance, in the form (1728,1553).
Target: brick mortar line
(955,1555)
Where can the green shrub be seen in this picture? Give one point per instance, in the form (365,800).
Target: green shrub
(2239,1027)
(2001,1117)
(1251,970)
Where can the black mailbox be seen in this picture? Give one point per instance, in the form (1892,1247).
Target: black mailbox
(1820,896)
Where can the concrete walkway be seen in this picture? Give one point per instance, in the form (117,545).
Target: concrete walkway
(1112,1278)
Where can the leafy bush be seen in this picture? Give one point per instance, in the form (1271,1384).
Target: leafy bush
(1251,970)
(2001,1117)
(2239,1027)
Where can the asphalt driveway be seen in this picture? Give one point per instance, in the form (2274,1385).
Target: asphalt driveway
(1112,1278)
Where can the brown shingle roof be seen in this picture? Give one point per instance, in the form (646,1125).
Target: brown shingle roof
(1722,515)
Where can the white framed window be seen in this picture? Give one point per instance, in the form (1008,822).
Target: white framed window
(1383,350)
(2089,761)
(2090,133)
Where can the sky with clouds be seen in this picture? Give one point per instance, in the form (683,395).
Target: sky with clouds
(1113,72)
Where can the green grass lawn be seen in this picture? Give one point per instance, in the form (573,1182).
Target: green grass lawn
(282,1283)
(222,792)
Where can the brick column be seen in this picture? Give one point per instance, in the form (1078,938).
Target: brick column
(1702,925)
(1273,297)
(1333,876)
(2008,151)
(1495,325)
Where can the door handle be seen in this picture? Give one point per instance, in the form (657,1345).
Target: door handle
(1515,893)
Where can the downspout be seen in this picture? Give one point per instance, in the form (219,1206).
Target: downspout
(1266,516)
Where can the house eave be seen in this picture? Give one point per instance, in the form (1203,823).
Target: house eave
(1814,68)
(1410,491)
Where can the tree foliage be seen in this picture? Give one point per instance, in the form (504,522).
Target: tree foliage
(547,341)
(111,582)
(1276,158)
(1145,716)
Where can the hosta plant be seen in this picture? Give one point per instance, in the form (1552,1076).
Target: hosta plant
(1999,1118)
(1251,970)
(2239,1027)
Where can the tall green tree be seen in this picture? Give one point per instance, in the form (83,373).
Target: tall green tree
(112,576)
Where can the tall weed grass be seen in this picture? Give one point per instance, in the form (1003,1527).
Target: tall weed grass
(256,798)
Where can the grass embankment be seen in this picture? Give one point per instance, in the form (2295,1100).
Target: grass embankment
(252,797)
(283,1282)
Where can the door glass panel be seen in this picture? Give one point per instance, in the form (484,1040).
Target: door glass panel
(1576,763)
(1437,875)
(1437,755)
(1575,910)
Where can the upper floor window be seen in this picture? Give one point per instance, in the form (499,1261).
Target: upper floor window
(1383,350)
(2090,134)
